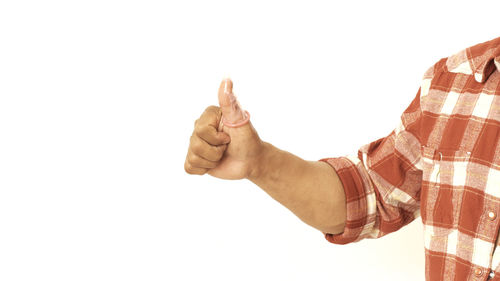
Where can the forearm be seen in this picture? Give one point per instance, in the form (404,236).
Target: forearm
(312,190)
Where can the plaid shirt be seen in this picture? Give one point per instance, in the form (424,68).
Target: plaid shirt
(442,162)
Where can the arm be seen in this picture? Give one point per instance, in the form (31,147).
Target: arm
(347,198)
(312,190)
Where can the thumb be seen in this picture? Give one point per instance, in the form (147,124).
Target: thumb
(231,108)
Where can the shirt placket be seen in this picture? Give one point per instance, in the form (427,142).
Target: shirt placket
(492,215)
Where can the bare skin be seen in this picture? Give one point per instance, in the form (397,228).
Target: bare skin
(312,190)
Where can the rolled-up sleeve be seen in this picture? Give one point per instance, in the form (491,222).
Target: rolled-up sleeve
(382,181)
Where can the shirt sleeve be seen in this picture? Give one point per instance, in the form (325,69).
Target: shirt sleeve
(382,181)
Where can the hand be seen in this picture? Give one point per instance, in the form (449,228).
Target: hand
(226,153)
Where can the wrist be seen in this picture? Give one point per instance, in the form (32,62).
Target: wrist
(258,167)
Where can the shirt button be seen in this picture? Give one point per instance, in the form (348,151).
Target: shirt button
(492,215)
(478,271)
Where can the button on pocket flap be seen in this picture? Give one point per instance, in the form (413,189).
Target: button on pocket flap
(443,154)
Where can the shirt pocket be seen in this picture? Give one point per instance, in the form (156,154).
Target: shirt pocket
(444,174)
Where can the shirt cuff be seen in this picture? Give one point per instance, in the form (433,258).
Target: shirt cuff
(356,201)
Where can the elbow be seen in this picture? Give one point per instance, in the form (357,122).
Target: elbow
(332,220)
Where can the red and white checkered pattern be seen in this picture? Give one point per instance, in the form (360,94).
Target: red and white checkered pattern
(442,162)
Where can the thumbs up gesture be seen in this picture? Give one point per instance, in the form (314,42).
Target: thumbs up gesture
(224,143)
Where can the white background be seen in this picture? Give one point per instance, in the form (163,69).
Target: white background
(98,100)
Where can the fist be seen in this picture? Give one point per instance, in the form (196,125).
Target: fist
(221,151)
